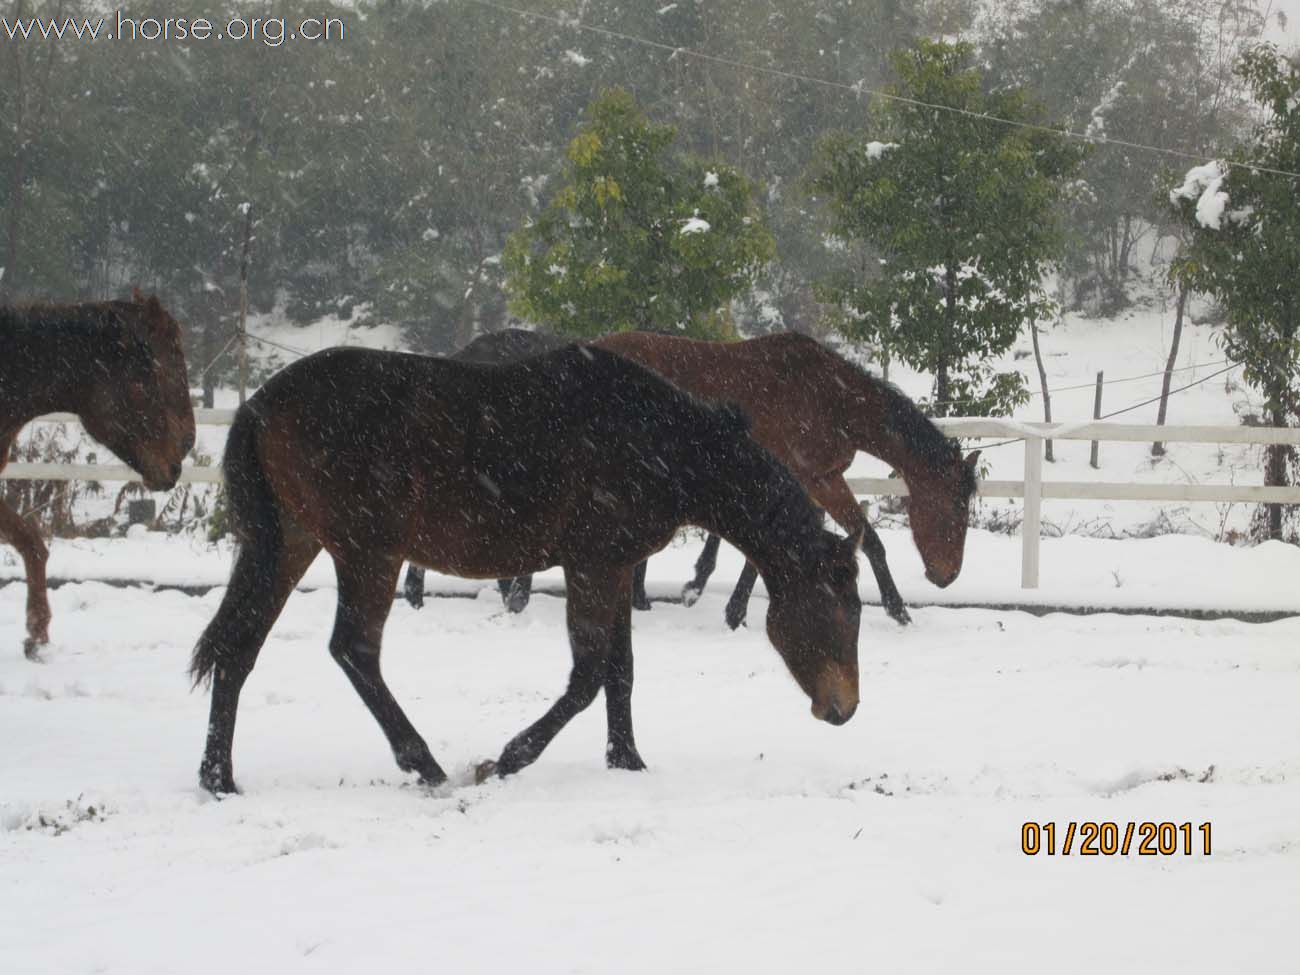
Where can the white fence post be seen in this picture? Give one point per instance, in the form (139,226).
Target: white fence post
(1031,528)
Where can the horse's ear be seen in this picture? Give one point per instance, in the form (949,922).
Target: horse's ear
(972,459)
(137,296)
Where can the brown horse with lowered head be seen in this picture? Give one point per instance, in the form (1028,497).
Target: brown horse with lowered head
(119,366)
(813,409)
(578,458)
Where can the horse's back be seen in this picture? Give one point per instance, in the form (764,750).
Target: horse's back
(471,469)
(507,346)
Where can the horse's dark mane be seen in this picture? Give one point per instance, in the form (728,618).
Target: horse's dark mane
(791,515)
(935,449)
(721,430)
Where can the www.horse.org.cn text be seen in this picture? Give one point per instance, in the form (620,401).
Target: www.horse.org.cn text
(121,26)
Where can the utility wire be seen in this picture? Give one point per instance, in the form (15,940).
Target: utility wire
(1105,382)
(1135,406)
(1128,379)
(859,90)
(300,353)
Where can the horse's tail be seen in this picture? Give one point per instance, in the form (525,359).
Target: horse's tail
(255,519)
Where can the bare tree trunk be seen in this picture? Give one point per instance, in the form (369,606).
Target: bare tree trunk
(208,351)
(1158,448)
(1042,383)
(941,383)
(1275,475)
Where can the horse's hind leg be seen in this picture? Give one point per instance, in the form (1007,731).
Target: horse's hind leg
(596,598)
(704,566)
(620,752)
(738,604)
(24,536)
(365,598)
(229,646)
(413,589)
(639,599)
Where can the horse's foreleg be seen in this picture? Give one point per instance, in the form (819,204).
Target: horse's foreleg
(594,603)
(515,592)
(834,495)
(413,587)
(738,604)
(704,566)
(365,598)
(620,752)
(25,537)
(228,648)
(640,601)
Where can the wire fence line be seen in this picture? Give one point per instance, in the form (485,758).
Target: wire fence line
(858,90)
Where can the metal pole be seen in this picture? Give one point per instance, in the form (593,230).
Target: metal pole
(1096,415)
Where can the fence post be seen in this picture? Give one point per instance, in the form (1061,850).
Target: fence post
(1096,415)
(1031,527)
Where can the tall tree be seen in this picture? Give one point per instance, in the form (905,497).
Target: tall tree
(1244,226)
(961,210)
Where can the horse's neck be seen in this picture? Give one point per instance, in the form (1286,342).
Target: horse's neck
(41,371)
(757,507)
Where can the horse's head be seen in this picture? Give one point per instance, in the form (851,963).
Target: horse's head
(813,623)
(939,509)
(137,400)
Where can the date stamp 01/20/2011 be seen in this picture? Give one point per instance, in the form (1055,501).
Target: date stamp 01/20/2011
(1147,839)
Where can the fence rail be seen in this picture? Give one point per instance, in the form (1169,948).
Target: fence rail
(1032,488)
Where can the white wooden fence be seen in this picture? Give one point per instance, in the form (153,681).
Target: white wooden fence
(1033,489)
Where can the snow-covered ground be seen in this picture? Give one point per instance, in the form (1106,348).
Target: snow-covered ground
(759,841)
(1175,572)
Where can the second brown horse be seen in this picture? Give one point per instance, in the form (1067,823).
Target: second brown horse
(813,409)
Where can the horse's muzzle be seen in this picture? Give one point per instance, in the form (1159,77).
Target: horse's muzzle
(156,480)
(833,715)
(942,579)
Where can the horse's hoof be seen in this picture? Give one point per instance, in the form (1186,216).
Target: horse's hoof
(415,599)
(628,760)
(484,771)
(437,787)
(691,594)
(735,617)
(517,602)
(900,615)
(32,649)
(219,782)
(642,604)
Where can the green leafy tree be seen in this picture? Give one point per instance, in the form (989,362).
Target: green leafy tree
(961,212)
(637,237)
(1244,226)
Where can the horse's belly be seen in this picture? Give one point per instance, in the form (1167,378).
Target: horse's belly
(480,545)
